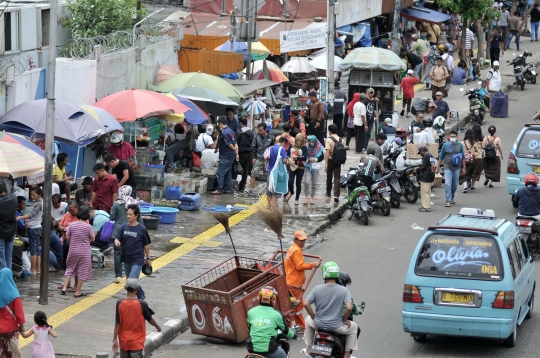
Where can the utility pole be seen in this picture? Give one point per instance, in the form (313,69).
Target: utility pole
(49,145)
(251,11)
(287,15)
(396,26)
(330,50)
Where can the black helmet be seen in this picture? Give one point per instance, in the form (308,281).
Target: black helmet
(343,279)
(427,122)
(147,270)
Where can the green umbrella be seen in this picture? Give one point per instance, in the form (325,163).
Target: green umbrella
(203,80)
(372,58)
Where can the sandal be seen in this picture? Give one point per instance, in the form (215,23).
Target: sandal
(327,200)
(312,201)
(296,202)
(62,286)
(347,147)
(447,205)
(453,202)
(306,201)
(62,292)
(288,196)
(216,192)
(424,210)
(81,295)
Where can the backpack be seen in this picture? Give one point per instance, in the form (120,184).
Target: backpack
(456,158)
(490,150)
(339,155)
(469,156)
(296,128)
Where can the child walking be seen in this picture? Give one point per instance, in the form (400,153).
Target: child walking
(34,228)
(42,330)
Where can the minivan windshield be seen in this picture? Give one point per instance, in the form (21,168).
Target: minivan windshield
(454,256)
(529,144)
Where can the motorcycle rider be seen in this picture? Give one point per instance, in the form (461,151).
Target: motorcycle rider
(345,280)
(329,299)
(369,166)
(263,323)
(528,198)
(417,125)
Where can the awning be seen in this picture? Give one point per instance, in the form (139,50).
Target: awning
(419,13)
(250,86)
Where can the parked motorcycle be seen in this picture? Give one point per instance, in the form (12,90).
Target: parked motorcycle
(380,196)
(395,188)
(358,196)
(525,225)
(477,107)
(408,181)
(518,63)
(529,69)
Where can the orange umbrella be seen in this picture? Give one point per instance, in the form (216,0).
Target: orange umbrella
(128,105)
(273,75)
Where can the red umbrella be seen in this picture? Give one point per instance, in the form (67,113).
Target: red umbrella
(128,105)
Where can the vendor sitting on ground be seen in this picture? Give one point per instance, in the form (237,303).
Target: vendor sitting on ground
(63,178)
(177,143)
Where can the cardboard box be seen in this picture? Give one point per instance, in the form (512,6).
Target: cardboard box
(412,150)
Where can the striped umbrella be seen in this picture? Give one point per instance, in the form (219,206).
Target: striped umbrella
(256,106)
(19,157)
(103,117)
(273,75)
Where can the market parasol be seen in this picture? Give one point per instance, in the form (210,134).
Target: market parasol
(203,80)
(372,58)
(19,157)
(258,50)
(167,71)
(255,106)
(256,66)
(103,117)
(298,65)
(274,75)
(321,62)
(71,124)
(129,105)
(210,101)
(196,116)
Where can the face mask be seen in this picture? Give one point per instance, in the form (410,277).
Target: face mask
(453,140)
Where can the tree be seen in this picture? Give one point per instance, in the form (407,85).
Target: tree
(91,18)
(470,11)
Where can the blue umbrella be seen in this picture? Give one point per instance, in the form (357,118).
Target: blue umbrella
(196,116)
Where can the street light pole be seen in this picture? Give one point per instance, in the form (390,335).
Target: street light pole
(330,50)
(49,145)
(396,26)
(250,19)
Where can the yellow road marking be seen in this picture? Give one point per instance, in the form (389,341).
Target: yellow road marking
(183,240)
(204,238)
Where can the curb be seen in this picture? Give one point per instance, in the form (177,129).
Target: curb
(154,340)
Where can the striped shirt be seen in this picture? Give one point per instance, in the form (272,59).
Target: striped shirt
(469,38)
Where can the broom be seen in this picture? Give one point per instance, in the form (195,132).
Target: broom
(274,220)
(223,219)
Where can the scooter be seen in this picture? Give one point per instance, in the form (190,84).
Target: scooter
(395,188)
(380,196)
(530,69)
(282,342)
(531,237)
(358,196)
(477,107)
(518,63)
(409,183)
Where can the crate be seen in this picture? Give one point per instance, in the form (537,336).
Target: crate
(146,181)
(157,169)
(203,185)
(211,171)
(158,193)
(217,301)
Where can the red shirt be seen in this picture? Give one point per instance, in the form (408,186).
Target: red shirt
(104,190)
(130,315)
(8,324)
(408,87)
(123,152)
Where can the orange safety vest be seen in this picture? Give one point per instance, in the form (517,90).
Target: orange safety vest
(295,267)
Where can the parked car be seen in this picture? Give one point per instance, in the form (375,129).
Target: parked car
(524,158)
(471,275)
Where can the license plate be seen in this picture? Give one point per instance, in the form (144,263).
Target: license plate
(322,350)
(475,107)
(452,297)
(524,229)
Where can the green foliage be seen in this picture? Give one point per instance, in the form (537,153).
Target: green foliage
(471,10)
(91,18)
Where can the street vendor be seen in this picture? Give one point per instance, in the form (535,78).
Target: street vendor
(295,273)
(120,149)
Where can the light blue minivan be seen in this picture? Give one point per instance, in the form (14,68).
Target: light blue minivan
(524,158)
(470,275)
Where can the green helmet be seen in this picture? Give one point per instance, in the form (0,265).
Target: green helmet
(330,270)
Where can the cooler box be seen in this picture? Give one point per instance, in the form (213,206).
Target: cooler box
(189,201)
(499,105)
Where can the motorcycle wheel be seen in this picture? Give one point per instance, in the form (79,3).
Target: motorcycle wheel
(533,80)
(365,217)
(385,208)
(410,192)
(395,200)
(522,85)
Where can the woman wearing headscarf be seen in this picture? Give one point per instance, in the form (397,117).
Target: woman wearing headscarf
(315,156)
(119,216)
(11,315)
(350,121)
(298,155)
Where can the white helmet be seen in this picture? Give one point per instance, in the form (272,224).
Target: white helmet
(209,129)
(117,137)
(439,121)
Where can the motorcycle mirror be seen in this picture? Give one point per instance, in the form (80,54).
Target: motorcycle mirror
(461,89)
(514,54)
(479,82)
(507,61)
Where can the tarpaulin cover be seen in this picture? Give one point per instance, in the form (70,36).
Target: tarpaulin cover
(419,13)
(361,33)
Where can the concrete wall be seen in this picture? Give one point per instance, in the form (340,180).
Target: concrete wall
(122,70)
(351,11)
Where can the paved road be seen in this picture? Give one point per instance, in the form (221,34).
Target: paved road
(377,257)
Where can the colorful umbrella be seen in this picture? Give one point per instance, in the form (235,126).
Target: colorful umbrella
(256,66)
(255,106)
(274,75)
(129,105)
(258,50)
(167,71)
(195,116)
(298,65)
(19,157)
(103,117)
(71,124)
(208,100)
(199,79)
(372,58)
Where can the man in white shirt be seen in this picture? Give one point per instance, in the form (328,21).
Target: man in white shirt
(303,91)
(450,61)
(469,42)
(360,122)
(494,81)
(205,139)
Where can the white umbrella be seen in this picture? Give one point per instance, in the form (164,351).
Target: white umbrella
(256,106)
(258,66)
(298,65)
(321,62)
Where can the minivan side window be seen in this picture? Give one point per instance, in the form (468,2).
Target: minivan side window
(525,249)
(512,256)
(521,258)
